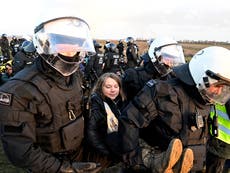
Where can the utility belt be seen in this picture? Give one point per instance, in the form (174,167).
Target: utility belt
(66,138)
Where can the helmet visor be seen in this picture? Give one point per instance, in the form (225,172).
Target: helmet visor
(218,92)
(172,55)
(65,36)
(62,63)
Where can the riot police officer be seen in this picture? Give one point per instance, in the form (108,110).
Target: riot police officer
(182,104)
(41,113)
(5,47)
(132,52)
(120,47)
(161,61)
(14,45)
(112,60)
(95,64)
(24,57)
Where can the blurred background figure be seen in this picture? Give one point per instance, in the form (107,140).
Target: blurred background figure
(14,45)
(120,47)
(107,42)
(25,56)
(132,52)
(94,66)
(112,60)
(144,58)
(7,74)
(5,47)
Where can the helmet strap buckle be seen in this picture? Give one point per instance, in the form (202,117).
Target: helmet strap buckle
(206,82)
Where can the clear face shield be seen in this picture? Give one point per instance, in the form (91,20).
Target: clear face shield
(218,91)
(171,55)
(63,43)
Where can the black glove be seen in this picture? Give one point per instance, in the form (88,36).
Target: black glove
(78,167)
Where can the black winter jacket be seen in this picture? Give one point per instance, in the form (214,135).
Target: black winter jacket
(96,130)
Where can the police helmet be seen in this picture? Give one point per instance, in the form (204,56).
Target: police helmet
(129,40)
(167,50)
(96,44)
(149,42)
(208,70)
(63,43)
(28,46)
(112,47)
(4,35)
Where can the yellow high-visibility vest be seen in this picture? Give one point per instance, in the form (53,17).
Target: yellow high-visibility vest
(223,123)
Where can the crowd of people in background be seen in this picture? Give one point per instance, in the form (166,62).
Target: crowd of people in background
(137,92)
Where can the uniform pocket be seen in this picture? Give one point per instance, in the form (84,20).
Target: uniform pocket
(73,133)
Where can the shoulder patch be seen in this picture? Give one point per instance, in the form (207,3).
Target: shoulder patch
(151,82)
(5,98)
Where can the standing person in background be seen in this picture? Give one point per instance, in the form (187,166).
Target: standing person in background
(161,61)
(120,47)
(105,103)
(41,106)
(14,45)
(105,47)
(5,47)
(112,60)
(95,64)
(132,52)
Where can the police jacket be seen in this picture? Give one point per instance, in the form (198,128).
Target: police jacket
(135,78)
(178,106)
(40,117)
(132,55)
(95,64)
(21,60)
(97,136)
(112,62)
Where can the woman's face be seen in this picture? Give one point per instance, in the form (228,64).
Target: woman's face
(110,88)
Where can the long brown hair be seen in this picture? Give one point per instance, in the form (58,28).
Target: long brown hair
(98,86)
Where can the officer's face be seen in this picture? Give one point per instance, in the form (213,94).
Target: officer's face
(110,88)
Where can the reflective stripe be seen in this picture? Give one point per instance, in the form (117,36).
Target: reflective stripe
(223,123)
(222,114)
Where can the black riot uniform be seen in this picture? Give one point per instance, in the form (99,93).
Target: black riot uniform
(24,57)
(176,106)
(14,45)
(94,67)
(5,46)
(112,60)
(41,111)
(134,79)
(41,120)
(132,55)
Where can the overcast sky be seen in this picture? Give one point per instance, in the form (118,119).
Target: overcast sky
(118,19)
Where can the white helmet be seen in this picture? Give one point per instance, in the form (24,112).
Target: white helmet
(129,40)
(149,42)
(167,51)
(63,42)
(209,71)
